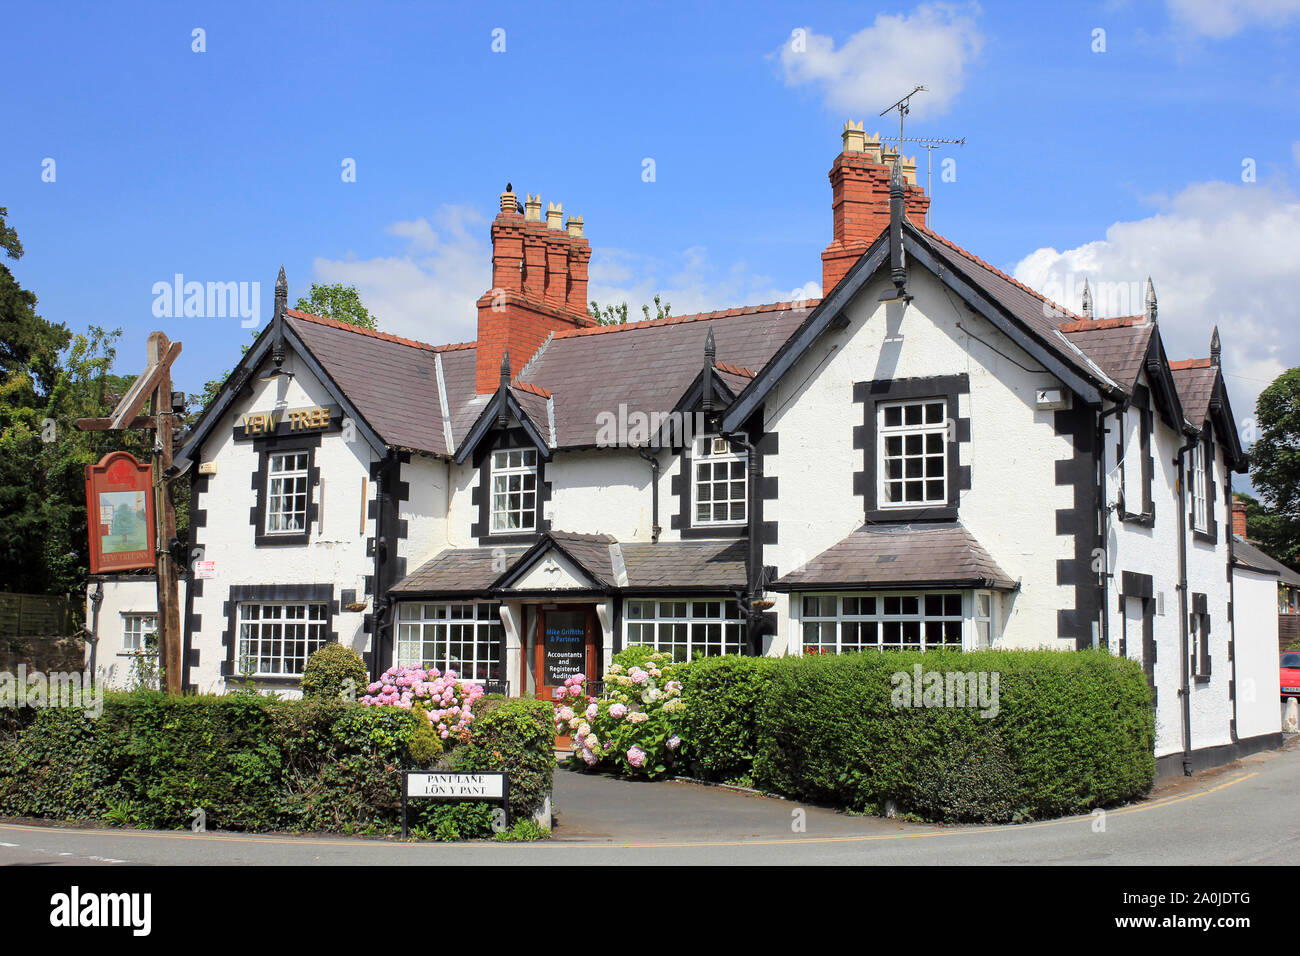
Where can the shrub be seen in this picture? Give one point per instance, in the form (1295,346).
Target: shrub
(1072,731)
(254,763)
(334,672)
(634,728)
(721,717)
(447,701)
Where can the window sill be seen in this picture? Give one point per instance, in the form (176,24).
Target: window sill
(1201,679)
(273,680)
(896,515)
(1204,536)
(715,531)
(1145,520)
(263,540)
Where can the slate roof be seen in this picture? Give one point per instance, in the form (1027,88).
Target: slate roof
(647,366)
(1119,346)
(1195,380)
(458,571)
(679,566)
(1250,556)
(901,555)
(391,381)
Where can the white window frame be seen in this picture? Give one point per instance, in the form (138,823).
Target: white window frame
(705,456)
(850,627)
(1200,502)
(135,625)
(925,430)
(278,519)
(501,470)
(427,634)
(259,642)
(683,625)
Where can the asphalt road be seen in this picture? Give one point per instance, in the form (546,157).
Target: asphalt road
(1244,814)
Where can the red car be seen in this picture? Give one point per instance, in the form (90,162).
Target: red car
(1291,674)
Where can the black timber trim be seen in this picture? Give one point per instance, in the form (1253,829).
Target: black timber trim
(193,624)
(529,559)
(1085,381)
(486,424)
(1079,521)
(266,447)
(1160,380)
(1141,400)
(1141,587)
(1209,465)
(290,593)
(866,438)
(681,486)
(481,492)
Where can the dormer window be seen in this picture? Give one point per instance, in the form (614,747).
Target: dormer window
(514,490)
(914,453)
(720,485)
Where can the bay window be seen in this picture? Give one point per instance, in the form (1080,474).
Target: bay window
(908,621)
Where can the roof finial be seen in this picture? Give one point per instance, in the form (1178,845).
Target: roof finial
(1086,307)
(1216,349)
(505,367)
(1150,300)
(710,348)
(503,417)
(281,302)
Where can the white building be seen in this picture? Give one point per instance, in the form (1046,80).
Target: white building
(931,455)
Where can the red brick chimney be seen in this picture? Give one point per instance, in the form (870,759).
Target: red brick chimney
(860,200)
(539,286)
(1239,518)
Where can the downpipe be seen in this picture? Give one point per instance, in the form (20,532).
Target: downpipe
(653,459)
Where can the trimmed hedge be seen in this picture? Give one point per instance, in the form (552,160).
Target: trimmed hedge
(722,697)
(1073,731)
(254,763)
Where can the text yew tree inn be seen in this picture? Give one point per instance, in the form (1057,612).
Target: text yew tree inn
(931,456)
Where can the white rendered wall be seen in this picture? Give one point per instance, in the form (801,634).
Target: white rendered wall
(1256,651)
(123,594)
(336,551)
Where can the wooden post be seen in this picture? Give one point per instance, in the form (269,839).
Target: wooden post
(169,615)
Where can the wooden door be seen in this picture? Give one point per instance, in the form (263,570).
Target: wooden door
(565,645)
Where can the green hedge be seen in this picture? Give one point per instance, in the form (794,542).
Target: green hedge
(1073,731)
(722,697)
(253,763)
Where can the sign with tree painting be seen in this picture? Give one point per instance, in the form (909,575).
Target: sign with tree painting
(119,514)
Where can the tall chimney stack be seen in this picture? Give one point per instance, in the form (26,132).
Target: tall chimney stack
(539,279)
(1239,518)
(860,200)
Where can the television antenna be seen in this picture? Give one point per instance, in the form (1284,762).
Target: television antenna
(929,144)
(904,106)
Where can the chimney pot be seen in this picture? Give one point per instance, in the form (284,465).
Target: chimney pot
(854,138)
(533,208)
(509,202)
(1239,519)
(554,214)
(574,227)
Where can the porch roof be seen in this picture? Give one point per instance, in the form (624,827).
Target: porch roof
(942,554)
(611,565)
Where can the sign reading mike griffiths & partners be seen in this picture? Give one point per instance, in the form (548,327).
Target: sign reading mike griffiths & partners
(486,787)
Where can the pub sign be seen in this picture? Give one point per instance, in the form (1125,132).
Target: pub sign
(119,514)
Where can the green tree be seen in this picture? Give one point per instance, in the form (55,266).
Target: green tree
(29,345)
(339,302)
(617,314)
(1275,467)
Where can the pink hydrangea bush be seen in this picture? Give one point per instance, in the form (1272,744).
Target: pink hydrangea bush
(448,700)
(633,728)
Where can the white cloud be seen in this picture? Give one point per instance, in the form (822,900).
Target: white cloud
(1223,18)
(689,280)
(1219,254)
(428,291)
(932,46)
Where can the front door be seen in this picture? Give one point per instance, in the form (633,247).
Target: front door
(566,645)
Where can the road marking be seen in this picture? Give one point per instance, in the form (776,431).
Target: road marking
(554,844)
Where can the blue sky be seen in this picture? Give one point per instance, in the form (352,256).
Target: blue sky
(223,164)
